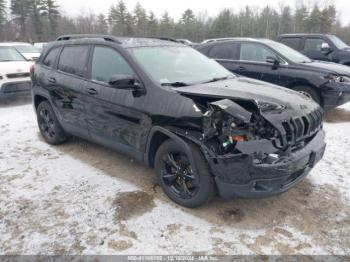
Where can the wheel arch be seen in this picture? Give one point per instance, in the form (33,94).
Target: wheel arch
(307,84)
(38,99)
(157,136)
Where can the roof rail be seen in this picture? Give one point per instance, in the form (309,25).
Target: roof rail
(80,36)
(165,39)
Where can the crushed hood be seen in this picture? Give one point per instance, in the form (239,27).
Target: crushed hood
(242,88)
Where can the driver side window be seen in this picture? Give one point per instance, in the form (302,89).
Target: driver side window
(107,62)
(254,52)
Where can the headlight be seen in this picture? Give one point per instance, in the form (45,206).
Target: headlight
(267,107)
(338,79)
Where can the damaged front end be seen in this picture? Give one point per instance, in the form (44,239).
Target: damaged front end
(257,149)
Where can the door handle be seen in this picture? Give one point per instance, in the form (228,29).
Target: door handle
(92,91)
(241,68)
(52,80)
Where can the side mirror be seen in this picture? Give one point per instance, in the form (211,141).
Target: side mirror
(124,82)
(272,60)
(325,48)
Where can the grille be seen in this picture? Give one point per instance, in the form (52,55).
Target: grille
(17,75)
(299,128)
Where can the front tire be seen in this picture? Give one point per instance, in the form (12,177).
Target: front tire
(177,177)
(310,92)
(49,126)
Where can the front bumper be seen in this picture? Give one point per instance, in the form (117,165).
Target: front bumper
(334,97)
(239,176)
(15,89)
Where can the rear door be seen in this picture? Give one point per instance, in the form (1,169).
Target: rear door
(253,62)
(110,114)
(312,48)
(66,88)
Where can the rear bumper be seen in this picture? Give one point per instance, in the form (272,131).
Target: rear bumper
(242,177)
(15,89)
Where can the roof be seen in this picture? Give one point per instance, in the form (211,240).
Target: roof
(237,39)
(126,42)
(303,34)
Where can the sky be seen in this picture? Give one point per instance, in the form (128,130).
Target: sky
(176,7)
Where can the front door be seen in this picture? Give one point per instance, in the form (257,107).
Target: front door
(312,49)
(112,116)
(253,63)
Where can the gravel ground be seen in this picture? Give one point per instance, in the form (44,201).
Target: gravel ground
(81,198)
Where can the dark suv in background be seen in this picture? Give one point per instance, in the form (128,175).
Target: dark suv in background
(327,83)
(321,47)
(164,103)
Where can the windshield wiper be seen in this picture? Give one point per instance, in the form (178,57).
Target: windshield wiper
(176,84)
(216,79)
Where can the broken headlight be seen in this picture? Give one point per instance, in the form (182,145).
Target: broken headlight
(228,130)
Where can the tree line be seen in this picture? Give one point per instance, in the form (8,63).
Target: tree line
(41,20)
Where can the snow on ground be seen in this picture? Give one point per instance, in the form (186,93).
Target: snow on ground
(81,198)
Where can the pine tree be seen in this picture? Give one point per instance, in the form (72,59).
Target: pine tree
(52,14)
(152,25)
(102,25)
(314,21)
(140,20)
(286,25)
(36,15)
(2,13)
(118,19)
(20,10)
(166,27)
(301,20)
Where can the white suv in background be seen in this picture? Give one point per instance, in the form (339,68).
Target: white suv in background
(30,52)
(14,73)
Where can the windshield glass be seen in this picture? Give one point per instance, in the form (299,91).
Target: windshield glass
(289,53)
(26,49)
(178,64)
(10,54)
(338,42)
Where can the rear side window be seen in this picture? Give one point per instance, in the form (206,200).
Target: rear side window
(224,51)
(73,60)
(107,62)
(313,44)
(293,42)
(51,57)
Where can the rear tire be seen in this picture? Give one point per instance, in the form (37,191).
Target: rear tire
(49,126)
(309,91)
(178,179)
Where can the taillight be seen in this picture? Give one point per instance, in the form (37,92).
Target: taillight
(31,70)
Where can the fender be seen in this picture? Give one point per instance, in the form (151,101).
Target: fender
(172,136)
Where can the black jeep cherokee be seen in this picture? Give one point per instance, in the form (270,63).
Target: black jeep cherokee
(201,127)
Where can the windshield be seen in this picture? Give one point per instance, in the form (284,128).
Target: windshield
(289,53)
(338,42)
(178,64)
(10,54)
(26,49)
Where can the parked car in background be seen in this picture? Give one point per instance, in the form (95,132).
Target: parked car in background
(185,42)
(14,73)
(201,127)
(40,45)
(321,47)
(206,41)
(327,83)
(30,52)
